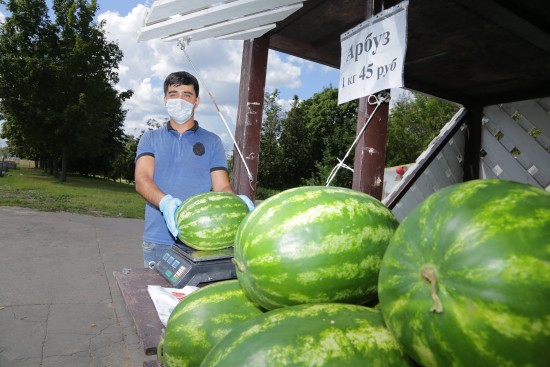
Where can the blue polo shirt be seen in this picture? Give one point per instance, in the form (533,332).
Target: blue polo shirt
(183,164)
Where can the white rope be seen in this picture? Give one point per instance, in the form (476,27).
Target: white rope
(378,100)
(182,43)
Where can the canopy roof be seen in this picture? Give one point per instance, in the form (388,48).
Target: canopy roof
(469,51)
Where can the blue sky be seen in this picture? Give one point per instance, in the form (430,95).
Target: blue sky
(146,64)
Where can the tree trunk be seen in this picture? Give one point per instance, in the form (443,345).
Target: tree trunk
(63,177)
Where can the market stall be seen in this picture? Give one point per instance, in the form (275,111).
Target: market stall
(492,57)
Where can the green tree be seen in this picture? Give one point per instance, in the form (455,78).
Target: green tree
(269,170)
(413,123)
(307,142)
(302,146)
(57,82)
(295,147)
(124,165)
(91,115)
(331,131)
(5,151)
(27,49)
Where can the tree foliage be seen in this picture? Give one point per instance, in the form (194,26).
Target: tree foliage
(25,42)
(303,145)
(413,123)
(332,130)
(57,96)
(270,133)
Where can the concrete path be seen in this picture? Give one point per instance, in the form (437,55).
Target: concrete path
(59,302)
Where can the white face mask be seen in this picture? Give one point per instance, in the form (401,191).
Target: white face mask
(179,110)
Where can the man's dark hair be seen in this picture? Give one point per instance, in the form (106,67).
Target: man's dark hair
(181,78)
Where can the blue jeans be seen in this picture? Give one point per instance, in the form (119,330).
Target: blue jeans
(152,253)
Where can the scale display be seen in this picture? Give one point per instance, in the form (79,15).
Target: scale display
(183,265)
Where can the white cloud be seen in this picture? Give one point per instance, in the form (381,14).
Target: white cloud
(146,64)
(2,18)
(282,73)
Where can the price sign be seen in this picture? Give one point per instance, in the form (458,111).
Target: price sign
(373,54)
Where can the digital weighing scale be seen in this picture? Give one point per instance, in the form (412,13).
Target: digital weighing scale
(183,265)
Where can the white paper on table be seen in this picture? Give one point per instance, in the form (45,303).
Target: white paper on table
(166,299)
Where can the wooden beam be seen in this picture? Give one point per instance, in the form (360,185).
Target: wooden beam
(370,152)
(288,45)
(249,115)
(496,13)
(472,144)
(422,86)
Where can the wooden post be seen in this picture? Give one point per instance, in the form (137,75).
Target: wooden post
(472,144)
(249,115)
(370,152)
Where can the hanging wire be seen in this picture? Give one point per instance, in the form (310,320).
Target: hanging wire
(182,42)
(371,100)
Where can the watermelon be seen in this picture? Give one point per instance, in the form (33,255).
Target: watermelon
(202,319)
(327,334)
(209,221)
(466,279)
(313,245)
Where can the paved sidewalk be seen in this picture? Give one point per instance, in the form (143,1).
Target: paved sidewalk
(59,302)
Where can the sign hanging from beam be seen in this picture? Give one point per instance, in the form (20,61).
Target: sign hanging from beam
(373,54)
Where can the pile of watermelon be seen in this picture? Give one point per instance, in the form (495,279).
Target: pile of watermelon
(328,277)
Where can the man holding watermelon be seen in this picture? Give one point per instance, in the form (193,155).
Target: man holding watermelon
(175,162)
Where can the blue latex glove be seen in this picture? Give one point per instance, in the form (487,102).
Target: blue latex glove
(247,201)
(168,206)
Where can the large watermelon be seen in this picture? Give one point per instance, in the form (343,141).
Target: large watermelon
(201,320)
(312,245)
(466,279)
(209,221)
(328,334)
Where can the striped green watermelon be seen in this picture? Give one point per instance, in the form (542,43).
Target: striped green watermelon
(312,245)
(202,319)
(466,279)
(209,221)
(327,334)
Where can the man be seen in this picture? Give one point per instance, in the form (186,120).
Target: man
(175,162)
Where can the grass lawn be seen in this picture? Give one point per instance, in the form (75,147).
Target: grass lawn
(32,188)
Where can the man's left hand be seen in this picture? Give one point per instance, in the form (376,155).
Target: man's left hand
(247,201)
(168,206)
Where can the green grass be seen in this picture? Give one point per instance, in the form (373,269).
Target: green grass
(32,188)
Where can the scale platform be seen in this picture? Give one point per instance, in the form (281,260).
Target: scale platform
(183,265)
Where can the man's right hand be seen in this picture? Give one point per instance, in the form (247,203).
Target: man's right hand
(168,206)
